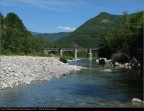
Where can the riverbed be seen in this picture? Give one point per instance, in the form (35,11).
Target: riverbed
(95,86)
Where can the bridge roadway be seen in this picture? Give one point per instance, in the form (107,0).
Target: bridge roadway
(75,51)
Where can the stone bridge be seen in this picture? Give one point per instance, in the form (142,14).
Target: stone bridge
(74,51)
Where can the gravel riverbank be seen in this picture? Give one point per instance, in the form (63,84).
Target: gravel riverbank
(15,70)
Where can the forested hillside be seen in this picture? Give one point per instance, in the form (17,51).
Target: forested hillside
(87,34)
(16,39)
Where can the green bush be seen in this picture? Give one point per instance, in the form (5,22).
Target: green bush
(66,56)
(62,59)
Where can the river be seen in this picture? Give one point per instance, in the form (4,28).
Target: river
(96,86)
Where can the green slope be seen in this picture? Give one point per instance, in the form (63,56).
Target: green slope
(87,34)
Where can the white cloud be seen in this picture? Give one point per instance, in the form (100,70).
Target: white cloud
(67,28)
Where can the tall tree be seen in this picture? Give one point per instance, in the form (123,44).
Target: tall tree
(13,21)
(16,39)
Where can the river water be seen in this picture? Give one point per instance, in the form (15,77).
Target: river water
(96,86)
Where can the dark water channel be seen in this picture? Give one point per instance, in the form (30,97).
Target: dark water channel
(96,86)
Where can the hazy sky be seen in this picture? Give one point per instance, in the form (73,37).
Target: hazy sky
(49,16)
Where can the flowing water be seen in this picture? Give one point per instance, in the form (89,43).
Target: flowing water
(96,86)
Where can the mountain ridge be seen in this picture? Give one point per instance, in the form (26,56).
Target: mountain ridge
(51,37)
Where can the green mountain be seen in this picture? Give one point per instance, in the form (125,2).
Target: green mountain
(87,34)
(51,37)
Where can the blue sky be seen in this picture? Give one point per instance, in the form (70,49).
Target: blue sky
(50,16)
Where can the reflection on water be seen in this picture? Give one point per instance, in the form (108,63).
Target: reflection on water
(91,87)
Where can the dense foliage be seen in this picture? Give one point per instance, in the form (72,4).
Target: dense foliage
(62,59)
(16,39)
(124,41)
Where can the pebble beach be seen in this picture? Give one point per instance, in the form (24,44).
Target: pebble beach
(15,70)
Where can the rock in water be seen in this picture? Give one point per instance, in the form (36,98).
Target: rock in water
(137,102)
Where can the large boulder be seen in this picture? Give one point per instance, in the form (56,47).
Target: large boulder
(137,102)
(134,62)
(102,60)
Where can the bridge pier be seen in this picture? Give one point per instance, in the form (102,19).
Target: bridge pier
(45,52)
(75,53)
(89,54)
(61,52)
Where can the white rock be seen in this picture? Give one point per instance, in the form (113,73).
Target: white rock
(136,100)
(127,64)
(97,60)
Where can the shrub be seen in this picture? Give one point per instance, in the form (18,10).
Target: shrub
(62,59)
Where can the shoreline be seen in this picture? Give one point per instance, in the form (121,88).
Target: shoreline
(17,70)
